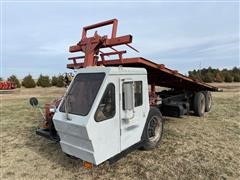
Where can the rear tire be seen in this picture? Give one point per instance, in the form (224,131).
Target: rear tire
(208,100)
(153,129)
(199,104)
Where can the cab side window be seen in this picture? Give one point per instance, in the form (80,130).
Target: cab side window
(138,95)
(107,108)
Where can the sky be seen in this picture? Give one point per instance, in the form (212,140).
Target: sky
(35,36)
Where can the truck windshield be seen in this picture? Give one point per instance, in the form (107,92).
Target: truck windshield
(82,93)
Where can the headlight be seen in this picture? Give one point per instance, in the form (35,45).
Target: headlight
(52,109)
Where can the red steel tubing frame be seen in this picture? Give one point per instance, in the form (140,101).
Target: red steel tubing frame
(91,45)
(114,22)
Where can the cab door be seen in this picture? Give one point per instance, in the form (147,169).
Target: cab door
(131,111)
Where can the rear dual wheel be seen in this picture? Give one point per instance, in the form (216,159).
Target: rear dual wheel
(202,102)
(208,100)
(199,104)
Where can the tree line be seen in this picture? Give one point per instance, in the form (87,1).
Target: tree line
(209,75)
(206,75)
(42,81)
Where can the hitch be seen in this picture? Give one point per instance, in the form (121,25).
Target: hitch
(47,130)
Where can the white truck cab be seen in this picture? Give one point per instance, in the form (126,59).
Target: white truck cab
(103,112)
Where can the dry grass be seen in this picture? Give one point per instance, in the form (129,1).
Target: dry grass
(191,148)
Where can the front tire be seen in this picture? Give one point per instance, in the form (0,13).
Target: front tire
(153,129)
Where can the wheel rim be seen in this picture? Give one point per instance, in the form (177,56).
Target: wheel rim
(209,101)
(154,129)
(202,105)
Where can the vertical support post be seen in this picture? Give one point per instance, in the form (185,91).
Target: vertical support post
(89,59)
(74,61)
(153,90)
(152,95)
(114,28)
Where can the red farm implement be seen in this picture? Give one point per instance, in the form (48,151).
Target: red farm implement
(7,86)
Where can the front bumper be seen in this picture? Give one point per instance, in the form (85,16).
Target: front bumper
(46,133)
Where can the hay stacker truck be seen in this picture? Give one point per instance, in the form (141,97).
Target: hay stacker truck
(113,106)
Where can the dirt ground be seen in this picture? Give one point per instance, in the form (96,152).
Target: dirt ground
(191,147)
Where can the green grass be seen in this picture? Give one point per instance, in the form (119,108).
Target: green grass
(191,147)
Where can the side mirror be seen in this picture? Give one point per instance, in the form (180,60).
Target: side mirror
(33,101)
(128,101)
(128,95)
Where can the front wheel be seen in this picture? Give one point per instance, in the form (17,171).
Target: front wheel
(153,129)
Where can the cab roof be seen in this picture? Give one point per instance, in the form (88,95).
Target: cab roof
(113,70)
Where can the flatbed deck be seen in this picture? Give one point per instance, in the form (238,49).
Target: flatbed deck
(158,74)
